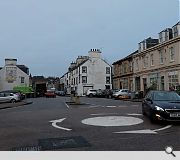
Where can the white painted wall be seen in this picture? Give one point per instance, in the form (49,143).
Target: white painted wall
(96,74)
(4,85)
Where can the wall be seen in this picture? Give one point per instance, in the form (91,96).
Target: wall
(4,85)
(96,75)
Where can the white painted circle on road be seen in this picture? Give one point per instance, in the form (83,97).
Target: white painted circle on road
(112,121)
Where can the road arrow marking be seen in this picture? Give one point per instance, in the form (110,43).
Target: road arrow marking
(54,124)
(146,131)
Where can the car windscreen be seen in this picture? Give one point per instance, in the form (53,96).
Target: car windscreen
(166,96)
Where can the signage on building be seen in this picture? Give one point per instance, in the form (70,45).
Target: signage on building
(172,73)
(11,74)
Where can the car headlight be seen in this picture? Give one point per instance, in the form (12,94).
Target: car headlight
(159,108)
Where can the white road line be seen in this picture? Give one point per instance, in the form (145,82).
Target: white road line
(121,106)
(134,114)
(95,106)
(66,105)
(135,105)
(160,129)
(103,114)
(111,106)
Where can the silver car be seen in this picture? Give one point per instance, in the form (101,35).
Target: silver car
(91,92)
(121,92)
(9,97)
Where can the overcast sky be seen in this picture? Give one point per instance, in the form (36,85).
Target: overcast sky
(47,35)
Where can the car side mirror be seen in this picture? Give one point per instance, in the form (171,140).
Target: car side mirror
(149,100)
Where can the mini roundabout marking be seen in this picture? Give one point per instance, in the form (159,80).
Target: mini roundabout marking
(114,121)
(109,121)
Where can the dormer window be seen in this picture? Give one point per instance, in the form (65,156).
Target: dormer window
(175,31)
(160,37)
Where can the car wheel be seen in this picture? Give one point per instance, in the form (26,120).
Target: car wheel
(13,101)
(90,95)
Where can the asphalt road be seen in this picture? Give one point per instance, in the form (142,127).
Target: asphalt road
(98,125)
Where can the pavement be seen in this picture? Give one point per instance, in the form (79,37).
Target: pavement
(11,105)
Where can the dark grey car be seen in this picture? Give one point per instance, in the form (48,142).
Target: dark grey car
(162,105)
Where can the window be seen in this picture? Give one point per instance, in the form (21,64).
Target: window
(175,31)
(76,80)
(107,70)
(121,69)
(131,66)
(84,69)
(107,80)
(173,80)
(125,84)
(160,37)
(137,64)
(79,79)
(144,45)
(162,82)
(171,53)
(22,79)
(84,79)
(161,59)
(153,83)
(2,95)
(125,68)
(145,61)
(152,60)
(166,36)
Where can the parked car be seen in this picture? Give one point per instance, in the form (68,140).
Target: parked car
(122,93)
(60,93)
(91,92)
(9,97)
(100,93)
(21,95)
(50,94)
(162,106)
(108,93)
